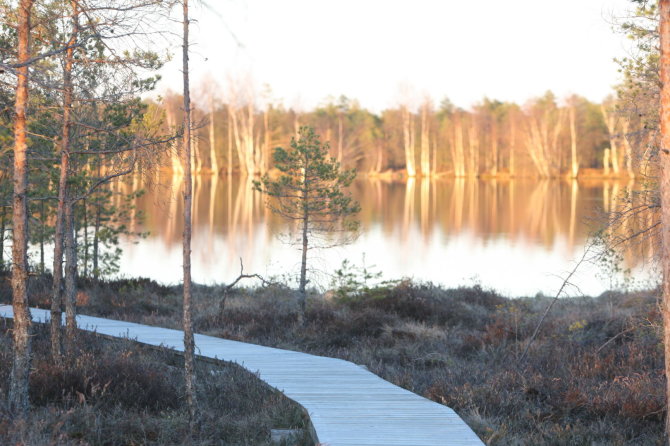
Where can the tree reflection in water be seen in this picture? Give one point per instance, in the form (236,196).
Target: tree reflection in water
(512,235)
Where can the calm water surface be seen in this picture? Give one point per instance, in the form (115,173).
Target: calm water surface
(518,237)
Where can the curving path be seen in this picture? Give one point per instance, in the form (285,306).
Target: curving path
(347,404)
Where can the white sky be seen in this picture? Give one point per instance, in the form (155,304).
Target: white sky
(307,50)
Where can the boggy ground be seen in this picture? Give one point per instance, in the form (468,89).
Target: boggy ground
(593,376)
(121,393)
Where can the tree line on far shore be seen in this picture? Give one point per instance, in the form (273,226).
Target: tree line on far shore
(545,137)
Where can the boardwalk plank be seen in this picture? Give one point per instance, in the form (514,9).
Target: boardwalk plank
(347,404)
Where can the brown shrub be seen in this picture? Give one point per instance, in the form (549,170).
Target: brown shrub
(262,323)
(427,303)
(119,393)
(635,397)
(461,347)
(115,379)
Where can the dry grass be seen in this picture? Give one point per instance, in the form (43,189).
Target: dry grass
(594,375)
(120,393)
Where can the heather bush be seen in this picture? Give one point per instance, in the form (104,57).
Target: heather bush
(121,393)
(594,375)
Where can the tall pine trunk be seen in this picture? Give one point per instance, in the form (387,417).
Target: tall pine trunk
(3,229)
(18,386)
(70,279)
(664,11)
(57,284)
(189,343)
(43,219)
(96,231)
(59,230)
(84,209)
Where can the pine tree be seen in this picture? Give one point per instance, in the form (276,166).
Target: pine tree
(310,191)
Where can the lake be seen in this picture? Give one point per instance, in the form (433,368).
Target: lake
(519,237)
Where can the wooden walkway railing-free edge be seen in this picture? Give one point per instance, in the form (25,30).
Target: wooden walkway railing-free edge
(347,405)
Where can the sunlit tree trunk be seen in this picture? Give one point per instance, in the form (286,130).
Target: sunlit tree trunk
(340,138)
(664,11)
(425,142)
(189,341)
(533,144)
(376,164)
(473,150)
(611,122)
(457,147)
(536,144)
(195,151)
(544,126)
(574,162)
(512,147)
(408,139)
(248,137)
(454,155)
(240,144)
(177,168)
(230,144)
(171,224)
(266,144)
(460,150)
(248,150)
(197,195)
(18,385)
(555,150)
(259,149)
(380,159)
(494,148)
(214,164)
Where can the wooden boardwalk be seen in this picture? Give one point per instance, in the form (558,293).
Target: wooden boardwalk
(347,404)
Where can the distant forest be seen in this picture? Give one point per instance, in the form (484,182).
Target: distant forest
(546,137)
